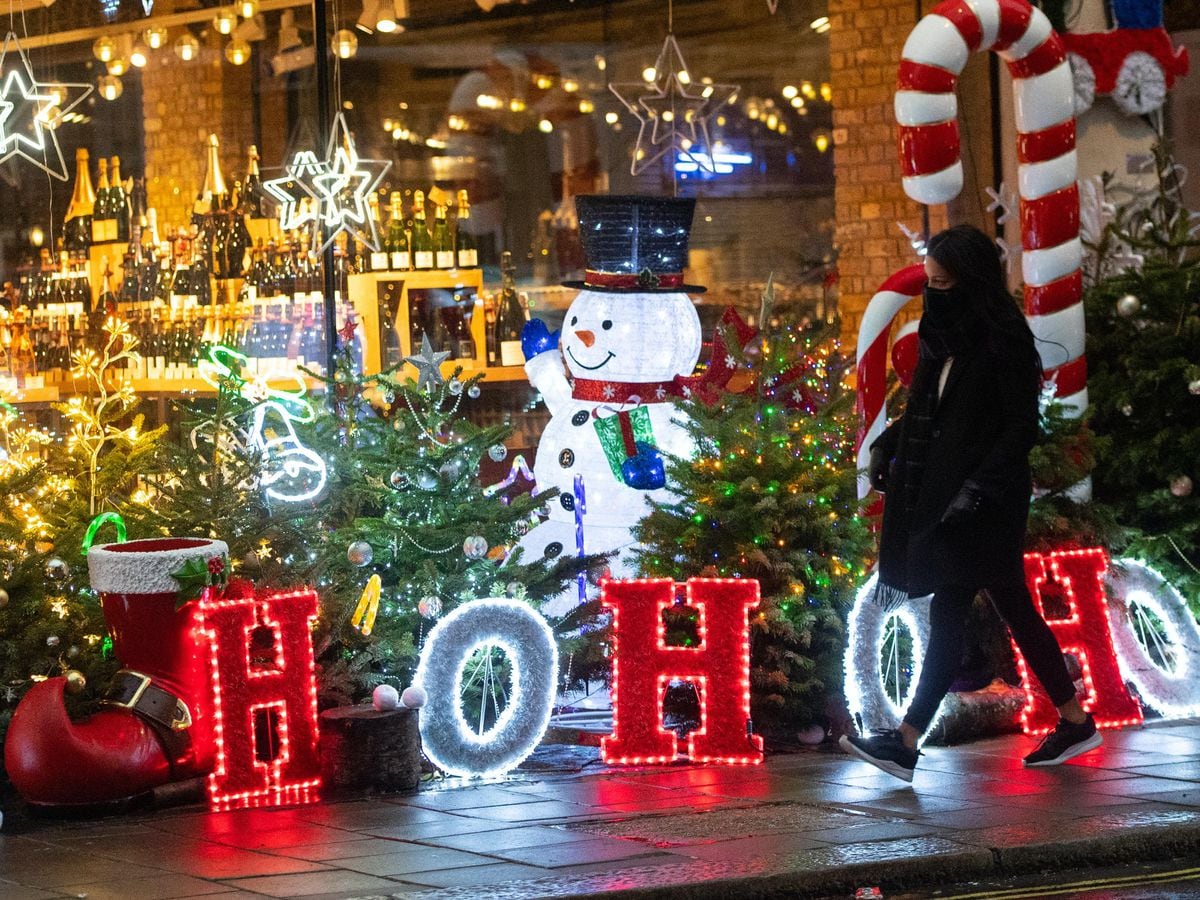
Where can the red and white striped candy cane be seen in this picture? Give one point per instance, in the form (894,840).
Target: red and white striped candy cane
(871,383)
(926,107)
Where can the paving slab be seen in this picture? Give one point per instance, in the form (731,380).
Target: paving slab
(804,824)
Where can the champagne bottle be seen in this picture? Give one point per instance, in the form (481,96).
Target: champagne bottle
(252,190)
(510,316)
(108,300)
(443,243)
(238,239)
(421,242)
(464,242)
(396,243)
(77,231)
(214,182)
(118,202)
(378,260)
(104,221)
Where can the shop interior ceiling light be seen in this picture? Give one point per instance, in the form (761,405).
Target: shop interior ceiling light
(29,112)
(251,30)
(155,38)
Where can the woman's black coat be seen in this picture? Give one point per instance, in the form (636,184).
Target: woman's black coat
(984,426)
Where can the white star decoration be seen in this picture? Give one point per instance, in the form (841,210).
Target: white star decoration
(428,364)
(30,111)
(676,106)
(339,187)
(345,185)
(294,187)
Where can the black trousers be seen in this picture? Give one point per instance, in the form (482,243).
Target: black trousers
(947,621)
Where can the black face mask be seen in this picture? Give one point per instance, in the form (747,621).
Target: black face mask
(944,306)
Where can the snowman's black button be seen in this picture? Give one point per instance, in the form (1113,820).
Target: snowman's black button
(553,549)
(567,501)
(566,459)
(580,418)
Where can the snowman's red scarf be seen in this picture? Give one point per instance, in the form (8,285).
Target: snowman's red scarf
(707,387)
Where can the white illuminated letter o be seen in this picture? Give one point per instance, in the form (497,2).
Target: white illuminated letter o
(447,738)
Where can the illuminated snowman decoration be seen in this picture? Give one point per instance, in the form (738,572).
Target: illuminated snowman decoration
(626,337)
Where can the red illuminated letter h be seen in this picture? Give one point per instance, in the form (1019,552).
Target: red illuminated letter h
(1084,634)
(719,667)
(264,697)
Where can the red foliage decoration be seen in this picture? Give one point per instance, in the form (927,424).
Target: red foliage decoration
(264,692)
(643,666)
(1084,634)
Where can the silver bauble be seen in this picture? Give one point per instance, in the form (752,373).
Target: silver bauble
(475,547)
(57,569)
(1181,486)
(1194,387)
(497,452)
(427,480)
(430,606)
(1128,306)
(53,641)
(399,480)
(454,386)
(360,554)
(473,392)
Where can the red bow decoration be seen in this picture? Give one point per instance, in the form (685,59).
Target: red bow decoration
(707,387)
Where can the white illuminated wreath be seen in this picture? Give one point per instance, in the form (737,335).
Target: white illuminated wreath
(446,737)
(872,660)
(1155,637)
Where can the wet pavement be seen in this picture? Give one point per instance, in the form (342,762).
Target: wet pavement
(812,823)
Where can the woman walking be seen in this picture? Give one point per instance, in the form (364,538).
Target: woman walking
(955,468)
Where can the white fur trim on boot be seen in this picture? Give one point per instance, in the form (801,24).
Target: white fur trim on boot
(145,567)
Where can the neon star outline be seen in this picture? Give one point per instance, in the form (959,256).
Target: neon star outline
(343,165)
(691,104)
(45,140)
(293,187)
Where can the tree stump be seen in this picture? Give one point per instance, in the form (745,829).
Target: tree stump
(364,749)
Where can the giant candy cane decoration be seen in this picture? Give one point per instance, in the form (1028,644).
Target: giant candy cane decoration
(926,108)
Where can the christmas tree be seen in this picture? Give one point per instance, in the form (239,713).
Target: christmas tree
(771,495)
(404,502)
(1143,350)
(53,489)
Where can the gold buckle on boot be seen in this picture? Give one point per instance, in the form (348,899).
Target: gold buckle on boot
(120,683)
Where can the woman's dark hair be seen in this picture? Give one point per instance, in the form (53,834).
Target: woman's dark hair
(974,260)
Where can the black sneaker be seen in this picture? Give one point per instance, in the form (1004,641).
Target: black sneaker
(1065,742)
(884,750)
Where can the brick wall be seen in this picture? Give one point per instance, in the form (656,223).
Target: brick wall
(183,103)
(864,51)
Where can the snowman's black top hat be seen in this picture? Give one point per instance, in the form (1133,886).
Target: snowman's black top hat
(635,244)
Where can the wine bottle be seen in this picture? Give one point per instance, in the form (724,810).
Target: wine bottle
(118,202)
(421,242)
(464,242)
(510,316)
(396,243)
(108,300)
(443,243)
(252,190)
(77,231)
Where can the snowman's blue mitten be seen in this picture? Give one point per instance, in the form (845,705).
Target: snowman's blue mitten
(537,339)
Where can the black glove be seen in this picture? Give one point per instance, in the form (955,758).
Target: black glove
(877,469)
(964,506)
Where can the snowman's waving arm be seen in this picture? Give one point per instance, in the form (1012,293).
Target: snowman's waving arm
(544,365)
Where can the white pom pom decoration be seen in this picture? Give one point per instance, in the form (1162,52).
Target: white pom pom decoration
(414,697)
(385,697)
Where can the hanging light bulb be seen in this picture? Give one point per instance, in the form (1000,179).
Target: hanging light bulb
(225,21)
(247,9)
(110,87)
(345,43)
(187,47)
(155,38)
(118,66)
(237,52)
(104,49)
(139,56)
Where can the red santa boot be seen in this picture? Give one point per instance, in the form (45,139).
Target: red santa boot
(155,727)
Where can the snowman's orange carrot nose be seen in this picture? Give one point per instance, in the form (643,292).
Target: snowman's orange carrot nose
(588,337)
